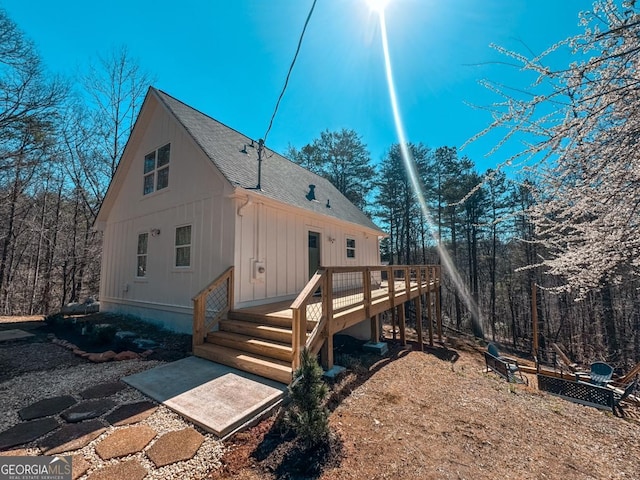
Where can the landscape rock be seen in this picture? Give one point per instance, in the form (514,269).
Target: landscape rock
(102,390)
(102,357)
(125,441)
(87,410)
(126,355)
(46,407)
(146,353)
(130,469)
(131,413)
(27,432)
(79,466)
(71,437)
(175,447)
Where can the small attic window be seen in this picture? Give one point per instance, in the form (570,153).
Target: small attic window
(156,169)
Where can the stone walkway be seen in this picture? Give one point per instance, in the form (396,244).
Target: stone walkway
(126,447)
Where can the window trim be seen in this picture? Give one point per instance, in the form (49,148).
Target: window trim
(350,248)
(154,173)
(185,245)
(144,255)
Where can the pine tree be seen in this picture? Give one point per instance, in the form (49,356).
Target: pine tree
(307,415)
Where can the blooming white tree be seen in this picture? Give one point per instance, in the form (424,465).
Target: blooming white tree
(583,129)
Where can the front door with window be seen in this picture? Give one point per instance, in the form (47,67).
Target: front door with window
(314,253)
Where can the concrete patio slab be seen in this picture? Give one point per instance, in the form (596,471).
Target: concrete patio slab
(13,334)
(215,397)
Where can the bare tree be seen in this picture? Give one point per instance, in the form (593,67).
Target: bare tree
(584,123)
(116,87)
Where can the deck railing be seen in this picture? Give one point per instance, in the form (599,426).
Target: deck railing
(338,297)
(211,304)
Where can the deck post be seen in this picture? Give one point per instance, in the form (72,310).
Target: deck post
(326,352)
(366,284)
(394,322)
(375,328)
(295,336)
(428,306)
(402,318)
(391,280)
(438,307)
(418,301)
(198,321)
(407,282)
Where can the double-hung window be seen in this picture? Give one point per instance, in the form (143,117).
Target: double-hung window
(183,246)
(351,248)
(156,169)
(143,243)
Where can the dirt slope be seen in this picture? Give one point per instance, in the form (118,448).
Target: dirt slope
(424,417)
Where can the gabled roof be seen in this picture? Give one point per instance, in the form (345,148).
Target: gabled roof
(281,180)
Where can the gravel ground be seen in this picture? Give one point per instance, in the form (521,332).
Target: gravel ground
(33,370)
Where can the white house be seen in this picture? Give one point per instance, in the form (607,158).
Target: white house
(183,207)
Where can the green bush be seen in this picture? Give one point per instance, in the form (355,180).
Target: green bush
(102,334)
(307,414)
(55,320)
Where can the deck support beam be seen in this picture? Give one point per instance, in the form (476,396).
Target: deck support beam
(418,303)
(402,324)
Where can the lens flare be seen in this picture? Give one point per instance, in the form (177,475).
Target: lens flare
(409,164)
(377,5)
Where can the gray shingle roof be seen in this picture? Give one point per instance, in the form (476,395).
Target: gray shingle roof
(281,180)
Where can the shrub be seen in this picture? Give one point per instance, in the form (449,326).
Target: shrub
(102,334)
(55,320)
(307,413)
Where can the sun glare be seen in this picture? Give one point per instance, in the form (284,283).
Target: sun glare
(377,5)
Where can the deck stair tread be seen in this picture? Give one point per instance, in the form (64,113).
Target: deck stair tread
(257,364)
(251,344)
(252,329)
(274,320)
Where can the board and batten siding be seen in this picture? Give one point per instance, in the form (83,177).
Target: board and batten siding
(196,196)
(278,238)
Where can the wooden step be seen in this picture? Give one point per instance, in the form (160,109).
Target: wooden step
(257,330)
(276,321)
(277,370)
(258,346)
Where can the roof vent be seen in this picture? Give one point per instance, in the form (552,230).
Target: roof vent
(312,193)
(328,204)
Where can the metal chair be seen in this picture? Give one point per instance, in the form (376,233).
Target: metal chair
(512,370)
(600,373)
(617,398)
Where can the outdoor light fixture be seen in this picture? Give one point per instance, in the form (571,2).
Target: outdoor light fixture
(155,232)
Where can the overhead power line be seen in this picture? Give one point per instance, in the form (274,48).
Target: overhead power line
(293,62)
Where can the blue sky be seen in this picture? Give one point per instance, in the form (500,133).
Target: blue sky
(229,58)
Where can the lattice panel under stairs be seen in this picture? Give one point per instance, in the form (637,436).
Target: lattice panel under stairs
(578,392)
(216,302)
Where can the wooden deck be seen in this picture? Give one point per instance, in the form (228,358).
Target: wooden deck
(379,298)
(264,339)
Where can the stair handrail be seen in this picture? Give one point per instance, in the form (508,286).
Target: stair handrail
(299,309)
(200,329)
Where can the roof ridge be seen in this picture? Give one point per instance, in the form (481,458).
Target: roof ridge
(287,181)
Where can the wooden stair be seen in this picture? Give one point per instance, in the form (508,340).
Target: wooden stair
(258,344)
